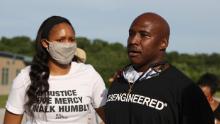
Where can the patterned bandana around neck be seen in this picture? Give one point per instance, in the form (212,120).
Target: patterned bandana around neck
(131,75)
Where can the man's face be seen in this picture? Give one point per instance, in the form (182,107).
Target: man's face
(143,42)
(207,92)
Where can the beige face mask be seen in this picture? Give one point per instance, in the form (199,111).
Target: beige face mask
(62,53)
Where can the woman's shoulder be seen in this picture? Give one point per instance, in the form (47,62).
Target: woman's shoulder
(82,66)
(26,70)
(22,79)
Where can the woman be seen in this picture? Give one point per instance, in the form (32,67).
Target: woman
(54,89)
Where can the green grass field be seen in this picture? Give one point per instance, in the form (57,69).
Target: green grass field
(217,94)
(3,99)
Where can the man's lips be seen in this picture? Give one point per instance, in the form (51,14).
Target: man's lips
(133,53)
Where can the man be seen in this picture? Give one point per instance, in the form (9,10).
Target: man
(149,90)
(209,83)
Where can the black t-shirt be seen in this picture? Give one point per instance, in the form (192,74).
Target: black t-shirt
(170,98)
(217,112)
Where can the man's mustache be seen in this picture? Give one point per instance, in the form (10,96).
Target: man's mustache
(133,48)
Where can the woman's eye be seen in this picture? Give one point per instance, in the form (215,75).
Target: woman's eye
(58,40)
(72,40)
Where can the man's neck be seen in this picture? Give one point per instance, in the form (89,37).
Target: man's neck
(214,104)
(141,68)
(145,67)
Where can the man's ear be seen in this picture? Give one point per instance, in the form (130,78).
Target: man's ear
(44,43)
(163,44)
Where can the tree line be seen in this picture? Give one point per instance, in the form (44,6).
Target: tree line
(107,57)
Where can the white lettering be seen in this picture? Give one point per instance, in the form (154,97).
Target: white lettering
(139,99)
(159,105)
(152,103)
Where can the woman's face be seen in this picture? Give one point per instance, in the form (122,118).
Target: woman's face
(61,52)
(62,32)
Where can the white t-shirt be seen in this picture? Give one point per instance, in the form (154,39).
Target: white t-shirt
(70,96)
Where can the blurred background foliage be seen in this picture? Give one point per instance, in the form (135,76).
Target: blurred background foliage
(108,57)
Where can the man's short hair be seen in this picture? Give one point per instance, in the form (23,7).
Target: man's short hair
(209,80)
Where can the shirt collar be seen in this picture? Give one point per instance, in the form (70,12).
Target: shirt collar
(131,75)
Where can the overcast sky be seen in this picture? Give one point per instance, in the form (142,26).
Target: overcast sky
(195,24)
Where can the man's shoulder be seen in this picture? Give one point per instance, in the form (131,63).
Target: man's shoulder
(177,77)
(175,73)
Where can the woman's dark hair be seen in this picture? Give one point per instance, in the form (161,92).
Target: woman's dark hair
(39,72)
(209,80)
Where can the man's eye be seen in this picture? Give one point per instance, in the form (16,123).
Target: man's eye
(143,34)
(131,33)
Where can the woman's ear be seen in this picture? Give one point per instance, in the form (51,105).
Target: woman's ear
(163,44)
(44,43)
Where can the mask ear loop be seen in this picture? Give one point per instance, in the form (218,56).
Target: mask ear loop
(48,42)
